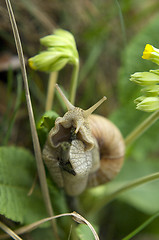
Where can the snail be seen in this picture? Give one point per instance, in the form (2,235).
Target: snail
(83,149)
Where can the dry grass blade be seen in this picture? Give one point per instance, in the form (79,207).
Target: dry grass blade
(9,232)
(76,217)
(37,150)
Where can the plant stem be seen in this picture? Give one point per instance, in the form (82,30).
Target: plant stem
(139,130)
(36,144)
(74,82)
(50,91)
(108,198)
(141,227)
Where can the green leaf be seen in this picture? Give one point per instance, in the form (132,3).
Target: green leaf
(126,117)
(45,124)
(17,173)
(132,59)
(47,120)
(144,197)
(84,232)
(59,204)
(141,227)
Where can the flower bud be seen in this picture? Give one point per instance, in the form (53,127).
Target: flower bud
(151,90)
(145,78)
(155,71)
(149,104)
(151,53)
(48,61)
(61,49)
(139,99)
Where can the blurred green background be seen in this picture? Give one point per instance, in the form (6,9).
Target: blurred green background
(110,37)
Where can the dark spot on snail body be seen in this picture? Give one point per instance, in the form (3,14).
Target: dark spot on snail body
(73,135)
(67,167)
(63,158)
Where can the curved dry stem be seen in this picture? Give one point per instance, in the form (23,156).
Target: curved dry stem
(76,217)
(9,232)
(37,150)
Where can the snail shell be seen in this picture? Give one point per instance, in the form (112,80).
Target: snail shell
(83,150)
(111,147)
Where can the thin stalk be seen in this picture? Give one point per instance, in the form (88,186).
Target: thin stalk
(36,144)
(141,227)
(139,130)
(105,200)
(9,231)
(50,91)
(74,81)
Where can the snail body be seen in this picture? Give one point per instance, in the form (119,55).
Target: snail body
(83,149)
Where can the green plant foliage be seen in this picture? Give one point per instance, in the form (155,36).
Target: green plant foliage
(143,198)
(127,117)
(141,227)
(47,120)
(132,59)
(126,219)
(17,174)
(84,232)
(45,124)
(59,204)
(41,234)
(58,198)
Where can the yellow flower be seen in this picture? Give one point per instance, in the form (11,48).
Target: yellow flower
(151,53)
(149,102)
(147,51)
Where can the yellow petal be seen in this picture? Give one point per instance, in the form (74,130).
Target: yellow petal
(147,51)
(31,64)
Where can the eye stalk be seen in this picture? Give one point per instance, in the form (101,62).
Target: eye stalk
(70,106)
(65,100)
